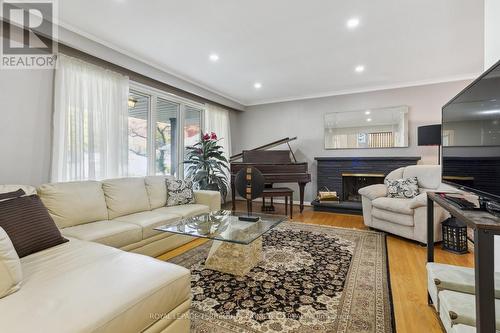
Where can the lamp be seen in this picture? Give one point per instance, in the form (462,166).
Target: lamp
(430,136)
(454,235)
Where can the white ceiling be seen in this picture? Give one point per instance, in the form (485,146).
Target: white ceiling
(296,49)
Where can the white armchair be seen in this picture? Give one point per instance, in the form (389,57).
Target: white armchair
(405,217)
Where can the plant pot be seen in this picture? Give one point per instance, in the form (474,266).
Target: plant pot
(211,187)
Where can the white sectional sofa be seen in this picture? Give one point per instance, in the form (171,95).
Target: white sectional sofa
(122,212)
(90,284)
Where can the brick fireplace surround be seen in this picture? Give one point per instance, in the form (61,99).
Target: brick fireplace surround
(347,174)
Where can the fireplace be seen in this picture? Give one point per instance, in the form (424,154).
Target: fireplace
(352,182)
(346,175)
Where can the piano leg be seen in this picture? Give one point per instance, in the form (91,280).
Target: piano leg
(233,195)
(301,188)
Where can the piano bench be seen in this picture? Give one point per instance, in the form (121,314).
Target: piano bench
(273,192)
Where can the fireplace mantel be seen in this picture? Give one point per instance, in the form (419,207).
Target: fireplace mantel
(331,169)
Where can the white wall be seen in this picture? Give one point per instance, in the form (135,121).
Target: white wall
(25,126)
(491,32)
(304,119)
(491,56)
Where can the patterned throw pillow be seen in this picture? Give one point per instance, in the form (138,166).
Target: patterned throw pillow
(179,192)
(406,188)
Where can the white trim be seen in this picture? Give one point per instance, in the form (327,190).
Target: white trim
(153,64)
(369,89)
(166,95)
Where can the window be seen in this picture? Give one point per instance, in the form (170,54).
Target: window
(192,127)
(166,137)
(156,140)
(138,114)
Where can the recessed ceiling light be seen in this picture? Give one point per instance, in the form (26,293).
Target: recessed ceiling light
(369,119)
(352,23)
(367,112)
(257,85)
(359,69)
(214,57)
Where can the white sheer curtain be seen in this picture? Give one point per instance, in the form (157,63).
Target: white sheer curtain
(217,120)
(90,122)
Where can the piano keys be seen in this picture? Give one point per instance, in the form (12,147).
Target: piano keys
(276,166)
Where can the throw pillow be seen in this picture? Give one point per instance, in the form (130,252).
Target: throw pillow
(11,195)
(11,274)
(179,192)
(406,188)
(29,225)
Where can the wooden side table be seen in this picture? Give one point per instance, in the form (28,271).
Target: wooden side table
(273,192)
(485,227)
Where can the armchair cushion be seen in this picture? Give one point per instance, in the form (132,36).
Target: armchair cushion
(429,176)
(419,201)
(396,205)
(373,192)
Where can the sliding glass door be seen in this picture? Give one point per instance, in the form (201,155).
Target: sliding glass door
(160,127)
(166,145)
(138,129)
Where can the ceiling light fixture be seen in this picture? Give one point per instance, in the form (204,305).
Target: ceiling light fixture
(367,112)
(214,57)
(369,119)
(359,69)
(352,23)
(257,85)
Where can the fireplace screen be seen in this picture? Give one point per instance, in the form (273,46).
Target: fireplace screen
(351,183)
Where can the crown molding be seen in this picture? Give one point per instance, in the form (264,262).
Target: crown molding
(368,89)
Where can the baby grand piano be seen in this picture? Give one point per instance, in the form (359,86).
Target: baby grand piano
(275,165)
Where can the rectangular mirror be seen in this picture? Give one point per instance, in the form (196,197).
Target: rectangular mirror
(373,128)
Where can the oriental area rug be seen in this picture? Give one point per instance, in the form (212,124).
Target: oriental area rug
(312,279)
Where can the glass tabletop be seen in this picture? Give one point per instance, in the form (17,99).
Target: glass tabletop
(224,226)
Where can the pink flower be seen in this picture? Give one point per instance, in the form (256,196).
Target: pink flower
(213,136)
(206,137)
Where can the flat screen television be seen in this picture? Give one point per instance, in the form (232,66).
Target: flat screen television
(471,137)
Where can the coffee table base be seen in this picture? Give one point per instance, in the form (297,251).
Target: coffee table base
(236,259)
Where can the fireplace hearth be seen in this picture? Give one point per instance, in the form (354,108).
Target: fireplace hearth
(346,175)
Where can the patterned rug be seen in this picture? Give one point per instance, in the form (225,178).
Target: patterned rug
(313,279)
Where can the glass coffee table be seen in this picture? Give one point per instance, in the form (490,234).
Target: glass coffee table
(237,246)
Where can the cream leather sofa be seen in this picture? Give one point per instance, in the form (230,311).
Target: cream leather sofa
(122,212)
(90,284)
(405,217)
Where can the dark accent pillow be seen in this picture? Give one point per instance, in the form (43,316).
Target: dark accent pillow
(179,192)
(406,188)
(29,225)
(12,195)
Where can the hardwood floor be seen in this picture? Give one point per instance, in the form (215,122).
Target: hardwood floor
(406,264)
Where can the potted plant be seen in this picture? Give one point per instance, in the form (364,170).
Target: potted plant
(207,165)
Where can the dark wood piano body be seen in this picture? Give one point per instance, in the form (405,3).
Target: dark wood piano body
(275,165)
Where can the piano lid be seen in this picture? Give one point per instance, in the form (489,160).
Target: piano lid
(267,146)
